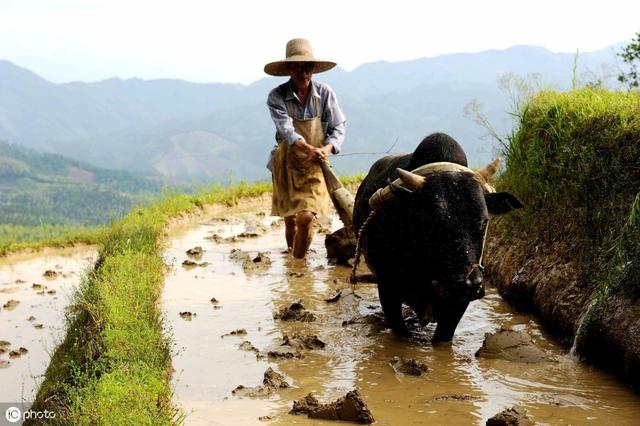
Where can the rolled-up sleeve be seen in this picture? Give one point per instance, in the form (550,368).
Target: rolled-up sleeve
(335,120)
(281,118)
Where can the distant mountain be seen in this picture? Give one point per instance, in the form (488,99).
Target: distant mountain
(203,132)
(38,188)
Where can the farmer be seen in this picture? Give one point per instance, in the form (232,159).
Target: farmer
(309,128)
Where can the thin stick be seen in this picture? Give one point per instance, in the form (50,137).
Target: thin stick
(388,151)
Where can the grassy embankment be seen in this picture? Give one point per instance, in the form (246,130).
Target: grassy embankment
(15,238)
(575,162)
(113,366)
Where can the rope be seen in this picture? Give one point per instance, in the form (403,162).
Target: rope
(479,265)
(484,243)
(356,261)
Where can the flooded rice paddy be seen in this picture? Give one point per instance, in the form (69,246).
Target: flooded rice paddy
(220,312)
(35,290)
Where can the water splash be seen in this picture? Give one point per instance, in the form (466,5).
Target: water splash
(573,352)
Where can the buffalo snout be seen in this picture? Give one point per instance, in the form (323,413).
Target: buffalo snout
(469,287)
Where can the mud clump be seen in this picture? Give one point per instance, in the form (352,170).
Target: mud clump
(408,367)
(514,416)
(334,298)
(215,303)
(305,405)
(511,345)
(4,346)
(248,346)
(262,258)
(50,274)
(195,252)
(251,230)
(18,353)
(187,316)
(191,264)
(345,295)
(295,312)
(341,246)
(271,383)
(283,352)
(216,238)
(11,304)
(251,264)
(239,255)
(261,261)
(274,380)
(375,319)
(238,332)
(37,286)
(350,408)
(298,341)
(291,347)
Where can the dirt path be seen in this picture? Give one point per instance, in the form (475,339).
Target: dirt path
(220,311)
(35,290)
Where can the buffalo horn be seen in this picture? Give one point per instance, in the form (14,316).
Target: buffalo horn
(416,178)
(411,180)
(489,170)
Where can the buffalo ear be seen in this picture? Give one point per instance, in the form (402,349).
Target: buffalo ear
(502,202)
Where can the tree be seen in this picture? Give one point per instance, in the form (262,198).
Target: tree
(631,56)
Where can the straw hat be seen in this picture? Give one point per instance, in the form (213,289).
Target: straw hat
(298,50)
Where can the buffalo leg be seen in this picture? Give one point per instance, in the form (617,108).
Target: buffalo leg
(392,308)
(448,321)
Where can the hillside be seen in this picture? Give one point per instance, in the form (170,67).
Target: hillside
(222,132)
(37,188)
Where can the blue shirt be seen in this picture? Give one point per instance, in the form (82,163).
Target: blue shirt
(331,115)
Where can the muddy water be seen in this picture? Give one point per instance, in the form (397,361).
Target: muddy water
(458,389)
(32,314)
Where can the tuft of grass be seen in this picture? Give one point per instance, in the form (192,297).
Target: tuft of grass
(577,155)
(574,160)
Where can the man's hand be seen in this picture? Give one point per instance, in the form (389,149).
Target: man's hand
(327,150)
(314,154)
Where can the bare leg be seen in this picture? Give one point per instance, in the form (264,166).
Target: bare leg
(290,230)
(302,240)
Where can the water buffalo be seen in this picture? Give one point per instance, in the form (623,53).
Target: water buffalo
(424,242)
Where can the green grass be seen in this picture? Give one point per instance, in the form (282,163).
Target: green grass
(14,238)
(574,160)
(113,366)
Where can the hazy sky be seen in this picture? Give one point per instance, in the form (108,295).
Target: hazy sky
(230,41)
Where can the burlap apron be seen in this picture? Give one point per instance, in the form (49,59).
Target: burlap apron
(298,183)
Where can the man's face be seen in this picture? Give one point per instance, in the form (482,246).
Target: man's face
(301,74)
